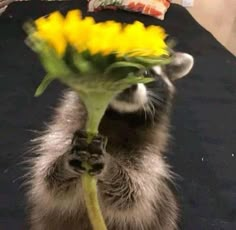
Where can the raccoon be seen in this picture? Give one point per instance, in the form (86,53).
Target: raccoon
(132,175)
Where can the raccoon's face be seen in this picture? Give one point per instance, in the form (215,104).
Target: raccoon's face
(157,94)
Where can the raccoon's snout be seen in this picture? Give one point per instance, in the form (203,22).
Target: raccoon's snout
(131,99)
(128,94)
(131,89)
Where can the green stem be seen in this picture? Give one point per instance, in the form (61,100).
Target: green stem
(89,184)
(96,96)
(96,105)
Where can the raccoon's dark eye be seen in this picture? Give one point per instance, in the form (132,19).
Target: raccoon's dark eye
(150,73)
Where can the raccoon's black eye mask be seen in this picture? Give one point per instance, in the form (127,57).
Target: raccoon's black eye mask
(150,73)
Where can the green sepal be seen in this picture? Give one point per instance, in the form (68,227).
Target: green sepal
(43,85)
(123,64)
(150,61)
(52,63)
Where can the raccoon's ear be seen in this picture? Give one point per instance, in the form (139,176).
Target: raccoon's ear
(181,64)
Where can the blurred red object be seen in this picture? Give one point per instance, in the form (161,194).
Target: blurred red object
(4,4)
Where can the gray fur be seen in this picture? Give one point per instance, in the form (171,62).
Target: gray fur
(133,186)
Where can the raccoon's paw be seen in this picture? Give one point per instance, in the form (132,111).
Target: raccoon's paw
(92,153)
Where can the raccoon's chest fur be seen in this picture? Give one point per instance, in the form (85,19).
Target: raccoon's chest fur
(132,187)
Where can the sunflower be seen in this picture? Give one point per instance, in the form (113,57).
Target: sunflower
(105,38)
(98,61)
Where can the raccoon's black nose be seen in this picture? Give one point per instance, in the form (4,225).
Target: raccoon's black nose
(127,94)
(131,89)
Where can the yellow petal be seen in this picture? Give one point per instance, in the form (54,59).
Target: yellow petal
(104,38)
(51,30)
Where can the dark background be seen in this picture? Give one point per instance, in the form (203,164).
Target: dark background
(203,152)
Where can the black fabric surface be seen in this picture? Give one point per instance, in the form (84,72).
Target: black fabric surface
(203,152)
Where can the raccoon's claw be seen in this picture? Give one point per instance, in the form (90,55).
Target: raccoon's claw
(98,144)
(80,139)
(92,153)
(77,166)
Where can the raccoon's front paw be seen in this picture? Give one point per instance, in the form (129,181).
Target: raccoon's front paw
(92,153)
